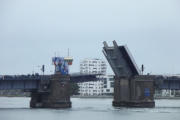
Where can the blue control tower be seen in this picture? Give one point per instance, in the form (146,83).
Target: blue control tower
(62,65)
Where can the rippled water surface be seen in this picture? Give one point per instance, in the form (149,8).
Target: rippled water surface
(88,109)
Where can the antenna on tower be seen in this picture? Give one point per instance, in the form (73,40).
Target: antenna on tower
(54,54)
(68,52)
(68,59)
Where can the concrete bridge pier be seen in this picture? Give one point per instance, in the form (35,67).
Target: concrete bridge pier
(57,95)
(137,91)
(121,91)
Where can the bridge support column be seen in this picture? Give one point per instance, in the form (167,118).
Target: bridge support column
(57,95)
(134,92)
(121,91)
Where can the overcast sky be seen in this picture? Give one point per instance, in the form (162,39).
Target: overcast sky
(31,31)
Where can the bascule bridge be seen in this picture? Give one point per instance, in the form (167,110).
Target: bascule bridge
(131,88)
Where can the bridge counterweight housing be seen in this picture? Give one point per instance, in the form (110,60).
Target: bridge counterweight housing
(137,91)
(58,95)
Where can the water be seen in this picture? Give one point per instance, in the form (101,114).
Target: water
(88,109)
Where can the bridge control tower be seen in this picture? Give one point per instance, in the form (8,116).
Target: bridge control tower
(54,93)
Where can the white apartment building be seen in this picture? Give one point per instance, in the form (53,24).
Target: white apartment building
(92,66)
(105,86)
(108,88)
(91,88)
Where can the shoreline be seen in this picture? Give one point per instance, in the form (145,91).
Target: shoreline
(175,98)
(104,96)
(99,96)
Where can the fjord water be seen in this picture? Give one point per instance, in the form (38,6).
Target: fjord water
(88,109)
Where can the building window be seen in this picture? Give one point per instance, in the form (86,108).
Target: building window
(107,90)
(105,81)
(112,84)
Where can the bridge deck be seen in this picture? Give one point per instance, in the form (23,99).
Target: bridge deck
(172,83)
(32,82)
(29,83)
(19,82)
